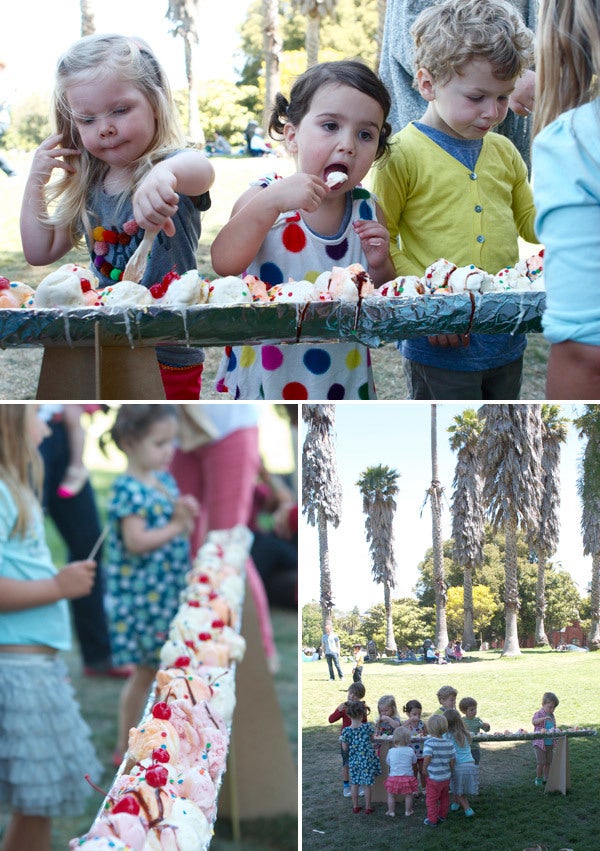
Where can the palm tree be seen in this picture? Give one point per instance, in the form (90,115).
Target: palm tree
(321,488)
(314,11)
(272,44)
(588,485)
(88,26)
(381,10)
(378,488)
(468,520)
(435,493)
(184,16)
(544,538)
(511,442)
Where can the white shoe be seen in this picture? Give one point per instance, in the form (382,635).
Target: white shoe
(361,792)
(347,792)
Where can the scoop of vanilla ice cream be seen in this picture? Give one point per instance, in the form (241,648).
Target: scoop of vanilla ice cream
(126,294)
(186,290)
(222,683)
(185,829)
(510,278)
(467,279)
(229,290)
(336,178)
(436,276)
(60,289)
(295,291)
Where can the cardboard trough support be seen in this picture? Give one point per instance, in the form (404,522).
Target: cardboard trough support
(261,778)
(100,372)
(379,792)
(559,778)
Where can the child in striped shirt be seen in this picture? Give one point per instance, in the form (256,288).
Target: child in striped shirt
(468,707)
(438,762)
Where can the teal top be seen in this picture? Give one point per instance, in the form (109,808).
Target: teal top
(28,558)
(463,753)
(566,167)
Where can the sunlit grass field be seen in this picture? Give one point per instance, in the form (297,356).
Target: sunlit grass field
(511,814)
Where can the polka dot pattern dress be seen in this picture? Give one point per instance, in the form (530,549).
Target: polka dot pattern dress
(363,762)
(143,590)
(296,372)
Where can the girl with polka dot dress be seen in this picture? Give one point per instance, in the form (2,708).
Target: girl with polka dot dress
(299,226)
(148,551)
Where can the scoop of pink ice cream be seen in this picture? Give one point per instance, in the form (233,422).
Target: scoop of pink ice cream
(190,742)
(128,828)
(196,784)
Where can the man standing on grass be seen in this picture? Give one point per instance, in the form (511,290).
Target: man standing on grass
(331,648)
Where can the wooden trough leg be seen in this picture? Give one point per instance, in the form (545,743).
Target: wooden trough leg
(68,373)
(559,778)
(261,780)
(126,373)
(100,372)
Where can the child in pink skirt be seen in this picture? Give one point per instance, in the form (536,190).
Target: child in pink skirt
(401,780)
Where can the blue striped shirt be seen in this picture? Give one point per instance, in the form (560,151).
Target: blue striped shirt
(441,752)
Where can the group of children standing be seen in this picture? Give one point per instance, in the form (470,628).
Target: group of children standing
(124,169)
(436,755)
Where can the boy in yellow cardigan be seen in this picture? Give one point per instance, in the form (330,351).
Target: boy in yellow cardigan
(452,189)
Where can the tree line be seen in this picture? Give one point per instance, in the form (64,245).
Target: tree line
(277,42)
(506,485)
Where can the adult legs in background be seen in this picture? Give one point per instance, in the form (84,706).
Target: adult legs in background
(31,832)
(276,560)
(78,524)
(329,658)
(222,475)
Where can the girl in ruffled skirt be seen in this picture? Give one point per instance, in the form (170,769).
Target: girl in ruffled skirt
(401,780)
(46,747)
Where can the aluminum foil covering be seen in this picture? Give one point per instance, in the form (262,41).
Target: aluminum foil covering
(374,322)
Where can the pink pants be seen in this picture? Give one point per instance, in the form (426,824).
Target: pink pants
(437,799)
(222,476)
(181,382)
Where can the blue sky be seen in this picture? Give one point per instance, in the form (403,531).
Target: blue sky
(398,434)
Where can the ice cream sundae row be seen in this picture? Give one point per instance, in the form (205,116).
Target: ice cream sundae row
(73,286)
(165,794)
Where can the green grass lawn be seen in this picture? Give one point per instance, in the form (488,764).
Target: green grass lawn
(233,175)
(511,813)
(99,698)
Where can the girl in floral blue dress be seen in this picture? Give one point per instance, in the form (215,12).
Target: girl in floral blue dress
(363,762)
(148,551)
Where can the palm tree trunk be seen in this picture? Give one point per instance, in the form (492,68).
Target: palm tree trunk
(468,636)
(326,597)
(195,133)
(541,639)
(88,26)
(381,8)
(511,594)
(271,49)
(435,492)
(390,641)
(594,636)
(311,41)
